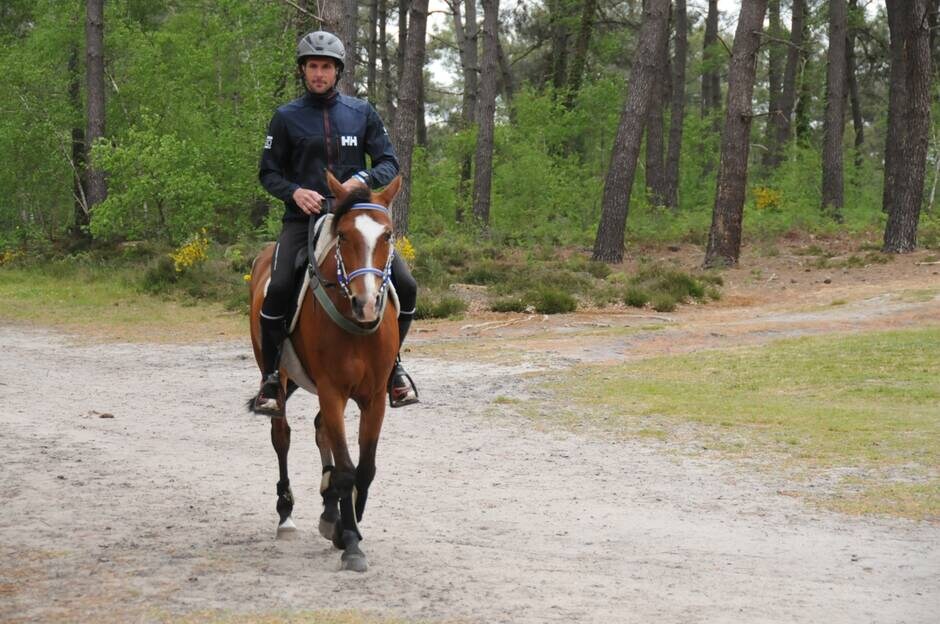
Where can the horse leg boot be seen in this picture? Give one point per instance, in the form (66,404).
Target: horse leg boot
(330,515)
(401,388)
(280,438)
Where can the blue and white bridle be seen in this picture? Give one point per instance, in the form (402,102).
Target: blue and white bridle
(343,279)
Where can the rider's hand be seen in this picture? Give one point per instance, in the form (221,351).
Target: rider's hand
(354,183)
(309,201)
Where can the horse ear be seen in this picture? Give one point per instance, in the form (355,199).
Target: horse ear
(335,187)
(389,192)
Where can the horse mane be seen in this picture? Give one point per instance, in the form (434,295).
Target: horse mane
(356,196)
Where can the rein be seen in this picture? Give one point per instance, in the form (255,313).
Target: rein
(343,279)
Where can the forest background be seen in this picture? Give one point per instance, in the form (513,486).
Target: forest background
(162,168)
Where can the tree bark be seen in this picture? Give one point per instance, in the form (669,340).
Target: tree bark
(677,112)
(655,173)
(402,36)
(801,112)
(782,121)
(608,245)
(389,112)
(349,33)
(467,39)
(908,123)
(724,238)
(858,121)
(406,119)
(486,113)
(711,81)
(79,182)
(97,190)
(559,12)
(576,73)
(834,121)
(372,71)
(774,83)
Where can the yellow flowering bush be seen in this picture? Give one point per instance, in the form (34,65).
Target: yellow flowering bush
(9,256)
(405,249)
(766,198)
(192,252)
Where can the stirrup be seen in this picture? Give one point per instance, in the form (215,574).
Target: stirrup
(406,393)
(266,401)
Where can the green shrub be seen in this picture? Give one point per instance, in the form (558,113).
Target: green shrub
(439,306)
(548,300)
(636,297)
(508,304)
(664,302)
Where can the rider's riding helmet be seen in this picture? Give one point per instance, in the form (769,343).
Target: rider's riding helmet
(322,43)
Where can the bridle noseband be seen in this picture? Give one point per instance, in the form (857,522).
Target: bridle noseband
(344,279)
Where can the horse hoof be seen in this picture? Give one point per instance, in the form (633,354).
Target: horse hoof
(355,562)
(286,529)
(327,527)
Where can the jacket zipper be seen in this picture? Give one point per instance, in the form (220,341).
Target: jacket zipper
(328,137)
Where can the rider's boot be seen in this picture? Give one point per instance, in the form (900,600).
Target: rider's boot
(401,388)
(272,334)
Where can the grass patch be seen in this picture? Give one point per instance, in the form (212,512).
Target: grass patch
(439,305)
(109,303)
(867,401)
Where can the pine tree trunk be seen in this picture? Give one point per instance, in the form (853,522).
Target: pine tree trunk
(486,113)
(558,12)
(608,245)
(801,112)
(677,112)
(580,51)
(406,119)
(97,190)
(858,121)
(834,121)
(79,182)
(774,84)
(349,32)
(724,238)
(467,41)
(782,122)
(655,173)
(711,82)
(371,85)
(389,112)
(908,122)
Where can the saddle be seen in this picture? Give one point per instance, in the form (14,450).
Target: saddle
(321,242)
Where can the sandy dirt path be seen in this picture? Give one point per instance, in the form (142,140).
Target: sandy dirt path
(167,508)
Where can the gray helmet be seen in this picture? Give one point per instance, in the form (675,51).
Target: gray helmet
(322,43)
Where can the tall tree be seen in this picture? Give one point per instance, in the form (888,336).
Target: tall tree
(97,190)
(724,237)
(559,13)
(855,18)
(576,73)
(677,108)
(775,55)
(908,123)
(349,33)
(389,112)
(608,245)
(466,35)
(782,121)
(711,81)
(655,172)
(486,113)
(372,52)
(406,118)
(81,213)
(834,121)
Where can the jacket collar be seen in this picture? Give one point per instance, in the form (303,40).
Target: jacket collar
(322,101)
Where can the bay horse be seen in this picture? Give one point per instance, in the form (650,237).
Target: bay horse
(348,355)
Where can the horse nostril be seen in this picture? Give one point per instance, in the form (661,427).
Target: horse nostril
(356,305)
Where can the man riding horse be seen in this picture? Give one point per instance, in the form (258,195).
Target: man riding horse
(322,130)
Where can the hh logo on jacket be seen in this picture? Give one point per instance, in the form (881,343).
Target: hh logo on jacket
(349,141)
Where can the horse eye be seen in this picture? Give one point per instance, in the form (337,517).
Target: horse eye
(341,236)
(388,236)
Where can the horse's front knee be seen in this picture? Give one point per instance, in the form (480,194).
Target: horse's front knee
(337,483)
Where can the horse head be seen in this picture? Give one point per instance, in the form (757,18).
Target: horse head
(365,246)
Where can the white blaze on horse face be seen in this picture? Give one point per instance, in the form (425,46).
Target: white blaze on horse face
(371,230)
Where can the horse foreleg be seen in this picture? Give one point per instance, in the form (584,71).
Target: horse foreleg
(280,438)
(330,515)
(370,426)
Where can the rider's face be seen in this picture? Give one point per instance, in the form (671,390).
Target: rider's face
(319,74)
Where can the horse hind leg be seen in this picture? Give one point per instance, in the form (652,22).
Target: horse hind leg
(330,516)
(280,438)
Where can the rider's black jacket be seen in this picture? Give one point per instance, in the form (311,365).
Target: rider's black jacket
(315,133)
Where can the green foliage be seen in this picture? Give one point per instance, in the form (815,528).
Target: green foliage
(439,305)
(549,300)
